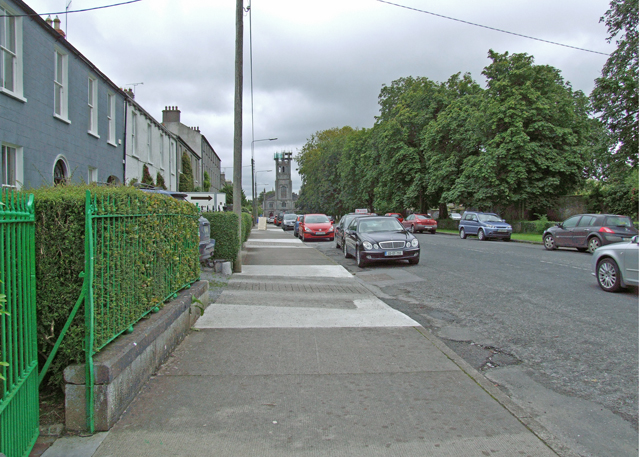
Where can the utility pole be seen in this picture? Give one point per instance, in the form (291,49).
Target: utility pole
(237,132)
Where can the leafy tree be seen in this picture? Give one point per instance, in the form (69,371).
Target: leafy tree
(227,189)
(186,177)
(358,171)
(146,176)
(615,96)
(160,181)
(206,185)
(533,138)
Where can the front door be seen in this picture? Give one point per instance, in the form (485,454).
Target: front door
(564,234)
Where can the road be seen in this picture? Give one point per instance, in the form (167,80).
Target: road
(535,322)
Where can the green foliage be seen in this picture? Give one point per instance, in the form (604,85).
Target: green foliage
(224,229)
(615,96)
(227,189)
(206,185)
(618,195)
(146,176)
(160,181)
(186,177)
(131,261)
(247,225)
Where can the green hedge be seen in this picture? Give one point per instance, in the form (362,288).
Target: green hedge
(247,225)
(59,245)
(224,229)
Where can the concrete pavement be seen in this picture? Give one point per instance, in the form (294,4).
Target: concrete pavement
(299,358)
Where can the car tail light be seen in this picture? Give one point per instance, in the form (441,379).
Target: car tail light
(605,230)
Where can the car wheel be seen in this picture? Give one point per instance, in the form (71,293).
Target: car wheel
(359,260)
(344,249)
(593,244)
(433,232)
(549,242)
(462,234)
(337,243)
(608,275)
(481,236)
(508,238)
(413,229)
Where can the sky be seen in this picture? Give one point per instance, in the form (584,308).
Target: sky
(315,64)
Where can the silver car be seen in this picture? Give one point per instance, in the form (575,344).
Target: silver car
(616,265)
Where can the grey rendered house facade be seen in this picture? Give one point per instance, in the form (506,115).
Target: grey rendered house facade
(61,118)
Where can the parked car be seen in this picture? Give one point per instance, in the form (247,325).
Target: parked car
(270,220)
(315,227)
(206,245)
(484,225)
(396,215)
(420,223)
(344,223)
(278,219)
(615,266)
(379,238)
(288,221)
(297,224)
(455,216)
(587,232)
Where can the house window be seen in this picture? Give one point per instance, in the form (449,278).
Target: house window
(60,171)
(162,137)
(283,192)
(92,101)
(134,139)
(149,144)
(172,157)
(60,83)
(8,177)
(10,53)
(111,119)
(93,174)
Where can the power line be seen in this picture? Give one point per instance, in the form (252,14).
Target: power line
(73,11)
(491,28)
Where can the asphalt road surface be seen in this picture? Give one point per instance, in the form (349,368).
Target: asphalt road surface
(533,321)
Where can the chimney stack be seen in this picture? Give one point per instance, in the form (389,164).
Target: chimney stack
(170,114)
(56,26)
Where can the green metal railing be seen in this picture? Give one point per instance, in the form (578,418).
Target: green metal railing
(19,402)
(128,273)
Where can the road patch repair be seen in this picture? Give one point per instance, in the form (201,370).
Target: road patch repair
(298,360)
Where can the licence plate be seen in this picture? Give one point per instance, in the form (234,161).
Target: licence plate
(502,230)
(390,253)
(320,233)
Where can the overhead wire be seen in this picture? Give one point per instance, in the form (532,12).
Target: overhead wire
(73,11)
(490,28)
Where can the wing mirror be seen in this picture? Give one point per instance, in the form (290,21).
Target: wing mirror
(635,239)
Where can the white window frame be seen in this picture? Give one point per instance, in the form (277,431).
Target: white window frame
(92,102)
(149,143)
(11,50)
(111,118)
(134,131)
(172,157)
(60,85)
(92,175)
(162,138)
(13,152)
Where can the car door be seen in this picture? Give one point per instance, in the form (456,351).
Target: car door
(631,266)
(471,224)
(564,232)
(350,237)
(582,230)
(407,222)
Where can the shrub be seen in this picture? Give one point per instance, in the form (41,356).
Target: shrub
(146,176)
(224,229)
(186,177)
(247,225)
(160,181)
(60,239)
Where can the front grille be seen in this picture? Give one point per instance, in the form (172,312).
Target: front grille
(391,244)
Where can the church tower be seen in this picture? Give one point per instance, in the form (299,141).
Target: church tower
(284,185)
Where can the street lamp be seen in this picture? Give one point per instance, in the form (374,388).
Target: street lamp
(253,175)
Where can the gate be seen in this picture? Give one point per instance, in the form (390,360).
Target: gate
(19,402)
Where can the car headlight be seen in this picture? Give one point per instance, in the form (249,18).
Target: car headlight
(330,229)
(375,246)
(414,242)
(368,246)
(490,226)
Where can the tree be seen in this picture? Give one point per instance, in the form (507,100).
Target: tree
(615,96)
(227,189)
(186,176)
(206,185)
(160,181)
(533,138)
(146,176)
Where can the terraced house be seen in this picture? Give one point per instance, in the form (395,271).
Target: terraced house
(61,118)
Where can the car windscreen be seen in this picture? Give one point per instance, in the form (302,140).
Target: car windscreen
(290,217)
(316,219)
(489,218)
(389,224)
(618,221)
(420,216)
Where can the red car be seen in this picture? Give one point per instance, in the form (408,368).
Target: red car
(315,227)
(420,223)
(396,215)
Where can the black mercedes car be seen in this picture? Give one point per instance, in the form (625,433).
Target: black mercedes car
(379,238)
